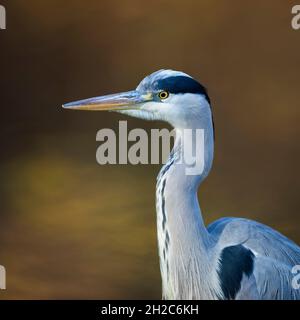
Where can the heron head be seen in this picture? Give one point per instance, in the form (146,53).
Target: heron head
(167,95)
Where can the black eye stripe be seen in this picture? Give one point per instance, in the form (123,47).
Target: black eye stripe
(180,84)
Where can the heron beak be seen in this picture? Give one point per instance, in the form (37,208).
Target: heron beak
(114,102)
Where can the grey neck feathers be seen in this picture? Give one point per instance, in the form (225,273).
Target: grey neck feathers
(182,235)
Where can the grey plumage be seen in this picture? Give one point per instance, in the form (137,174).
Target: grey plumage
(274,255)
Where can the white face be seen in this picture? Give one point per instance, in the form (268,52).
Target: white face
(180,110)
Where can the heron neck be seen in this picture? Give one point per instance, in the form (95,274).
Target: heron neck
(182,234)
(181,181)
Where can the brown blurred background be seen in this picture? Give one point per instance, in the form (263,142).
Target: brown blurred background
(70,228)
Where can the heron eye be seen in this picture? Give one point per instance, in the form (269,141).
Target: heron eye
(163,95)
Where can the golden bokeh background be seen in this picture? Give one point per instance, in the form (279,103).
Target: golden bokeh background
(70,228)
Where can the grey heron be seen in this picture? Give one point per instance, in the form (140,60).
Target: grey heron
(232,258)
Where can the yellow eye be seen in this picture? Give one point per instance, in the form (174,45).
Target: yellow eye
(163,95)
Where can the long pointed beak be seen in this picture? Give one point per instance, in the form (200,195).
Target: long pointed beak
(119,101)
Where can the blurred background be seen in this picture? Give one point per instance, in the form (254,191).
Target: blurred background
(70,228)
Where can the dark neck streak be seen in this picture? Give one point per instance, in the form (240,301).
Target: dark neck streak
(181,230)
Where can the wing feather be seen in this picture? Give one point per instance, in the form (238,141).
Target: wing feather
(275,255)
